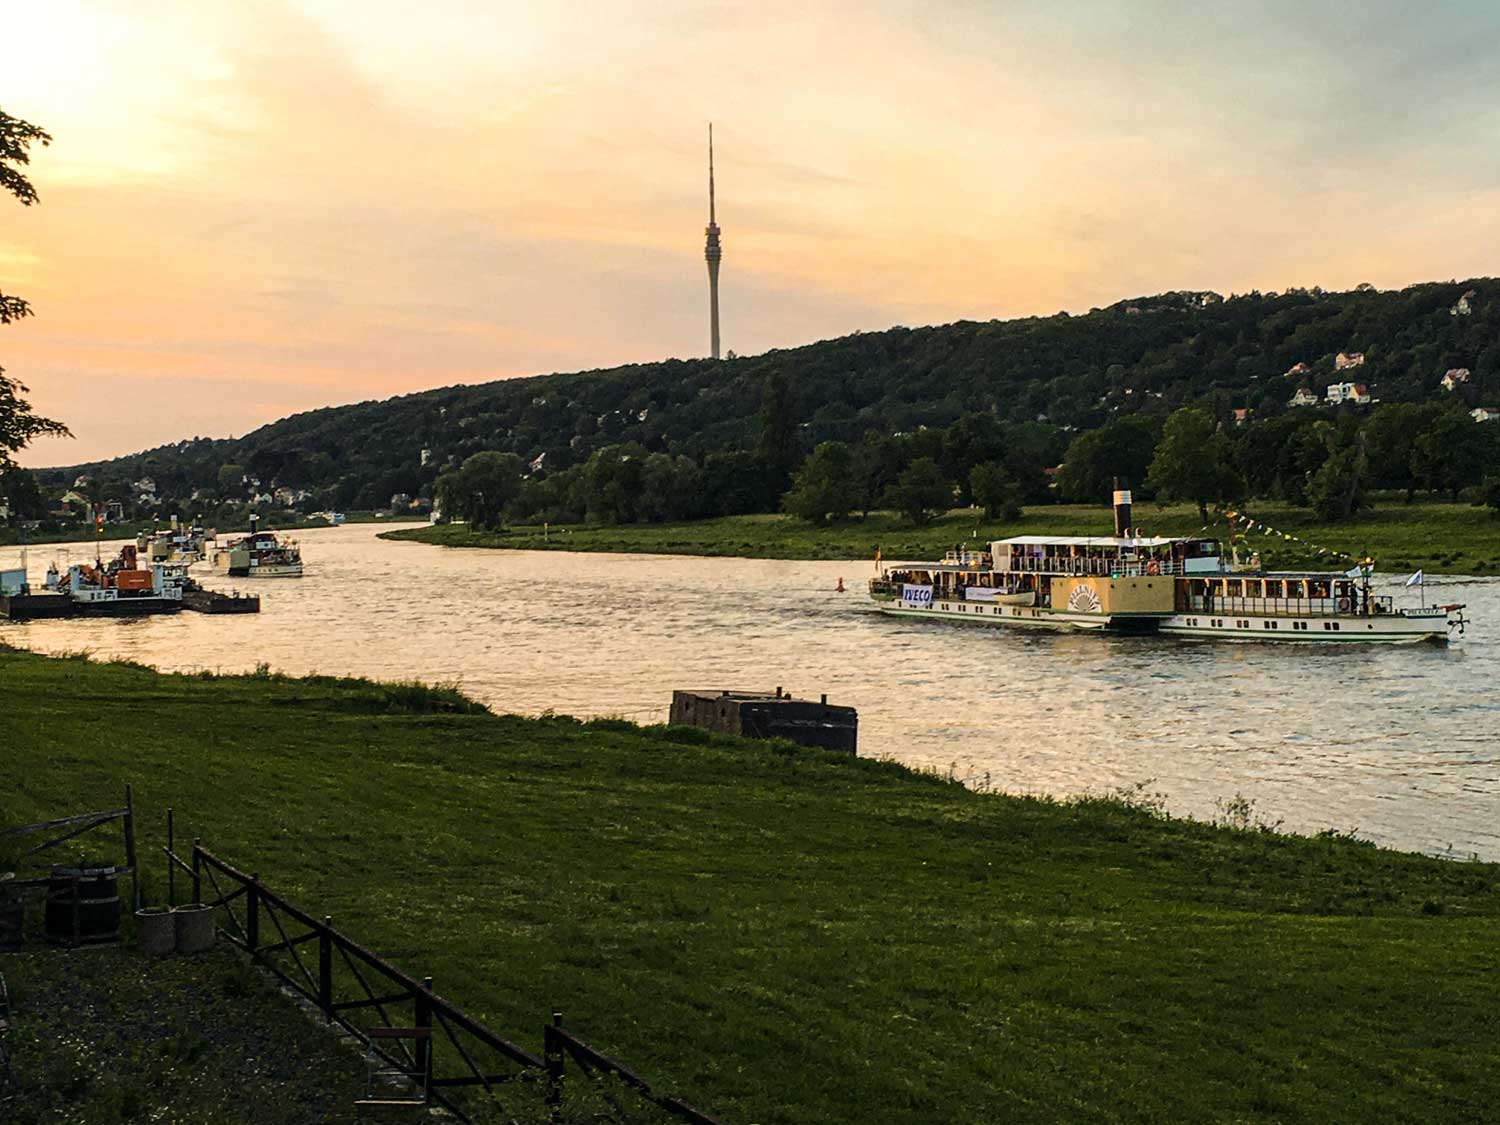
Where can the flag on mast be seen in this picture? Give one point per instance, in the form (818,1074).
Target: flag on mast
(1415,579)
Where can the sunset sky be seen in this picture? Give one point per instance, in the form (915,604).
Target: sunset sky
(256,208)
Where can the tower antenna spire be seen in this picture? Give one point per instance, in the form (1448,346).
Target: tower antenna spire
(711,254)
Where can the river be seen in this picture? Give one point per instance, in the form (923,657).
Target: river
(1399,744)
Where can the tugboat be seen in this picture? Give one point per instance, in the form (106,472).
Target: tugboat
(260,554)
(1177,587)
(122,587)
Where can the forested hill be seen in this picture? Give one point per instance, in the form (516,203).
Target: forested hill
(1147,355)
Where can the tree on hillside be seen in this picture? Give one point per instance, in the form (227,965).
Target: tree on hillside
(1122,448)
(735,483)
(1336,490)
(231,481)
(479,489)
(973,440)
(671,488)
(920,492)
(19,424)
(1191,461)
(1489,493)
(611,483)
(995,492)
(21,494)
(1390,441)
(779,447)
(878,461)
(826,487)
(1452,453)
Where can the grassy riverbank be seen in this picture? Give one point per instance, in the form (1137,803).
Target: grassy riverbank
(1440,538)
(84,533)
(792,936)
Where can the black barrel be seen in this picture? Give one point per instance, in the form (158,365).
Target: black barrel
(83,905)
(12,922)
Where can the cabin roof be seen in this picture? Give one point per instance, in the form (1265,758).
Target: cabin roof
(1090,541)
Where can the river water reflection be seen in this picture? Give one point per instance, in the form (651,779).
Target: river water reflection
(1402,744)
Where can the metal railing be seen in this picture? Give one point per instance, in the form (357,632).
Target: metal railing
(364,994)
(1288,607)
(1091,568)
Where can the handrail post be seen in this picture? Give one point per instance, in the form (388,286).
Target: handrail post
(171,863)
(325,967)
(552,1055)
(252,914)
(197,869)
(423,1019)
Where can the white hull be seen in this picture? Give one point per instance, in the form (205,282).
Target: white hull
(1343,628)
(293,570)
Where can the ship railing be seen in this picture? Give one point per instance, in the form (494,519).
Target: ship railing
(1286,607)
(1092,568)
(966,558)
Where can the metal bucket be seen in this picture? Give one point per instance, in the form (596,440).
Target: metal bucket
(83,906)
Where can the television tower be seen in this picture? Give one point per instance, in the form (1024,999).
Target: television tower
(712,253)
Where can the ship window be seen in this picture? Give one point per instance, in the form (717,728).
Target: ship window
(1335,626)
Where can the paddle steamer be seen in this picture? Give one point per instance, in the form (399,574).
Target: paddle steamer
(260,554)
(1179,587)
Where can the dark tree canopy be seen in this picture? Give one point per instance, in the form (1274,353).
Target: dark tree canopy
(19,424)
(1088,393)
(826,487)
(1192,461)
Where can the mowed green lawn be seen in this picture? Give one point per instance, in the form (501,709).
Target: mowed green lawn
(788,936)
(1440,538)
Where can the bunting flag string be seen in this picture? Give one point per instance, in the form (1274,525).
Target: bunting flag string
(1266,529)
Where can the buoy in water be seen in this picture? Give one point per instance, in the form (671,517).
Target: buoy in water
(840,588)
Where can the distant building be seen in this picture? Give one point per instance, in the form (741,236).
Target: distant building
(1241,417)
(1297,369)
(1461,307)
(1304,397)
(82,480)
(1345,360)
(1347,392)
(426,456)
(400,500)
(1455,376)
(1485,413)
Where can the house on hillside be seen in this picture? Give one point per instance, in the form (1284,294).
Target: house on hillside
(1485,413)
(1348,392)
(1241,416)
(1304,397)
(1461,307)
(1455,376)
(1345,360)
(1296,369)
